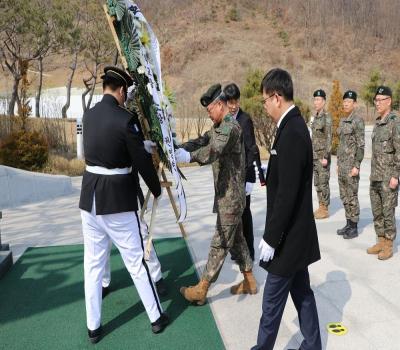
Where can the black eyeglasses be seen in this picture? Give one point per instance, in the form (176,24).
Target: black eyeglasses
(379,100)
(267,98)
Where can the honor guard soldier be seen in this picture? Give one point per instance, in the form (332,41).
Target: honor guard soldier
(223,147)
(108,201)
(385,172)
(321,129)
(350,154)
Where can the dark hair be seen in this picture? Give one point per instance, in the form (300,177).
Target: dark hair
(113,84)
(278,81)
(232,92)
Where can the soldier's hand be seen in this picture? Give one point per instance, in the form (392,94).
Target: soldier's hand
(249,188)
(263,167)
(149,146)
(182,156)
(393,183)
(324,162)
(354,172)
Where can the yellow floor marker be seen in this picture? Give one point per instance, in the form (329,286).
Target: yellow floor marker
(336,328)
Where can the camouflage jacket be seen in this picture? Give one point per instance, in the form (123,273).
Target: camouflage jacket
(223,146)
(321,128)
(385,162)
(350,152)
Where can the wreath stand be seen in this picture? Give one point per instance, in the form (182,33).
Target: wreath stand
(158,164)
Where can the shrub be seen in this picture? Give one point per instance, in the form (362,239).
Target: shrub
(24,150)
(304,109)
(233,14)
(335,108)
(62,166)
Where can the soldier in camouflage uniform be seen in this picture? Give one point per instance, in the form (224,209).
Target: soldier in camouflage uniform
(385,172)
(350,154)
(223,147)
(321,128)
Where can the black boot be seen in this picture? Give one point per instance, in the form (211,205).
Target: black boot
(343,230)
(162,290)
(105,291)
(159,325)
(352,232)
(95,336)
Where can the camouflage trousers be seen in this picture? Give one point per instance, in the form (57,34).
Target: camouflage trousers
(321,182)
(228,237)
(348,189)
(383,203)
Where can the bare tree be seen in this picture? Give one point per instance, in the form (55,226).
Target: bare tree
(100,48)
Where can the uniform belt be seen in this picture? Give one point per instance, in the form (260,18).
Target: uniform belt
(105,171)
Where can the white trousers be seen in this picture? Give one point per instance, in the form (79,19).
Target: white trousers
(123,229)
(153,263)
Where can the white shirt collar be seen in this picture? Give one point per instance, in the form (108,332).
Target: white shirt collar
(283,116)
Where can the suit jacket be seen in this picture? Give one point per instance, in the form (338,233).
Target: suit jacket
(112,138)
(290,226)
(250,146)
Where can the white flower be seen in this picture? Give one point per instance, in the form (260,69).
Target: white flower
(141,70)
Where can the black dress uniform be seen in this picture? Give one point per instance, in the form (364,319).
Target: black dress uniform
(251,150)
(113,144)
(112,139)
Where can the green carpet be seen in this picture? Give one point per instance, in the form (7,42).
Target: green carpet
(42,304)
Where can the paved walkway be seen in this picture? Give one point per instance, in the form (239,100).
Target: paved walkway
(350,286)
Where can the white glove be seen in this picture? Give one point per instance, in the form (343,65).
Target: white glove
(263,167)
(182,156)
(249,188)
(266,251)
(149,146)
(130,95)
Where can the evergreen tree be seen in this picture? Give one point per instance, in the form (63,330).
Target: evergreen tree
(369,89)
(335,108)
(251,102)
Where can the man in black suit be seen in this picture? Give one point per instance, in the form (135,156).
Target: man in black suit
(232,93)
(290,241)
(113,144)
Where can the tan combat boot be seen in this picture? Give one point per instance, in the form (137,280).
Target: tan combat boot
(377,247)
(321,212)
(247,286)
(387,251)
(196,294)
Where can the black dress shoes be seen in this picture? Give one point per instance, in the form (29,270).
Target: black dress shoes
(162,290)
(159,325)
(95,336)
(105,291)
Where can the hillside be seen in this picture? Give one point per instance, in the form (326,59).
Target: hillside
(208,41)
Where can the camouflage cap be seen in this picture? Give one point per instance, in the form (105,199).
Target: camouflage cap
(384,90)
(350,94)
(213,93)
(118,74)
(319,93)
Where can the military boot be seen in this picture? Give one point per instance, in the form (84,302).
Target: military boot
(343,230)
(196,294)
(377,247)
(352,231)
(387,251)
(321,212)
(247,286)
